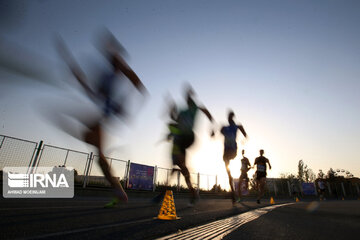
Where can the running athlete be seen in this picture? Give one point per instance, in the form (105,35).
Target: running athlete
(321,186)
(103,95)
(244,179)
(230,147)
(182,135)
(260,163)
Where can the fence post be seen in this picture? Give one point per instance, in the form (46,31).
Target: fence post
(329,188)
(216,183)
(316,192)
(275,188)
(87,168)
(67,154)
(110,164)
(155,177)
(126,177)
(289,188)
(301,189)
(178,181)
(208,187)
(34,163)
(343,189)
(198,182)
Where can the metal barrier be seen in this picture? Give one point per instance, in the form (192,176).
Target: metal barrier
(15,152)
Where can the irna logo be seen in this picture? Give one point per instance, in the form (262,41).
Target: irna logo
(39,182)
(19,180)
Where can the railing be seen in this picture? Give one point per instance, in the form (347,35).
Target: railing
(17,152)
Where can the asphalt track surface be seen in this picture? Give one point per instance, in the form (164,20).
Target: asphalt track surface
(85,218)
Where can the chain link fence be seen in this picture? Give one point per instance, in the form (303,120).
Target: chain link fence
(15,152)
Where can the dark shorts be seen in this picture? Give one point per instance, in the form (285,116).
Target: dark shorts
(229,153)
(322,190)
(260,175)
(244,175)
(180,144)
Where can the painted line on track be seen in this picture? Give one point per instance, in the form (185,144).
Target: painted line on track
(218,229)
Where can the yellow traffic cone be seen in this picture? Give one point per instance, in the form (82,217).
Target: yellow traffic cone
(167,210)
(272,200)
(297,200)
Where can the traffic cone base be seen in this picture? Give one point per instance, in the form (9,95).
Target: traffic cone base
(167,210)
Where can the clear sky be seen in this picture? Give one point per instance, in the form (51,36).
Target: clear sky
(289,69)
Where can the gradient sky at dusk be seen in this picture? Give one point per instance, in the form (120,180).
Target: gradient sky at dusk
(290,70)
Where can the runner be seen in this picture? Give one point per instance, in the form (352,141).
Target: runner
(103,95)
(260,163)
(244,179)
(230,147)
(321,186)
(182,135)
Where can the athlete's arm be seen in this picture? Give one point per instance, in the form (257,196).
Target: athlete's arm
(208,115)
(268,163)
(81,78)
(131,75)
(68,58)
(248,163)
(241,128)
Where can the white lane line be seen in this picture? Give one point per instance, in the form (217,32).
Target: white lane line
(224,226)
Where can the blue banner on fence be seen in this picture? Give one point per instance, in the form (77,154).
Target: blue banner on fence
(308,188)
(141,177)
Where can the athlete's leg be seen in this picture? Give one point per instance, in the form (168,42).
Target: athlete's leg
(231,182)
(240,184)
(94,137)
(262,182)
(185,172)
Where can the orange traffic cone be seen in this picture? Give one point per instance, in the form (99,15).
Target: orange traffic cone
(272,200)
(167,210)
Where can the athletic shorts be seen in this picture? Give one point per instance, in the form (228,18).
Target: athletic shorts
(229,154)
(180,144)
(260,175)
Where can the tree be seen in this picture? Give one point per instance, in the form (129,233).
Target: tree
(306,173)
(331,174)
(321,175)
(288,176)
(300,170)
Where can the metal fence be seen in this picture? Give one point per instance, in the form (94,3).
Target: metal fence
(15,152)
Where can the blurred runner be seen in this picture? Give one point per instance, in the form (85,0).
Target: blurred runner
(182,135)
(230,147)
(260,163)
(244,179)
(321,186)
(103,96)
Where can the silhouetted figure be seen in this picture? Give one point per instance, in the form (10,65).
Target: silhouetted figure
(244,179)
(182,135)
(295,190)
(321,186)
(103,95)
(230,147)
(260,163)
